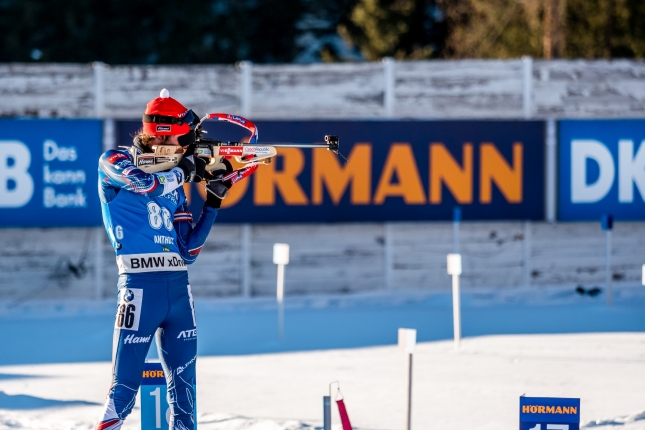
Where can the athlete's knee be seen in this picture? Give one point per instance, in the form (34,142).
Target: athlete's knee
(182,400)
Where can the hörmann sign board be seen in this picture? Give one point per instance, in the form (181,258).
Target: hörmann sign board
(155,412)
(549,413)
(397,171)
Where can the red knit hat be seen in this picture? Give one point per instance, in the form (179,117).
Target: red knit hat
(165,116)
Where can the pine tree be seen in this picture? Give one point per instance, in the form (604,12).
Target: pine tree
(544,28)
(403,29)
(605,28)
(492,28)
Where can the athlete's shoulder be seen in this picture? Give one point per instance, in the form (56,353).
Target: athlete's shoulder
(115,160)
(114,156)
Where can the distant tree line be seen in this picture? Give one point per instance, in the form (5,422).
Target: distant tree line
(149,31)
(282,31)
(544,28)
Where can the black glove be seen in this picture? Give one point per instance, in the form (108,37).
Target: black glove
(216,189)
(200,169)
(187,165)
(194,168)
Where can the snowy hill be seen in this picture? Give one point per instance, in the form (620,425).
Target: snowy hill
(55,370)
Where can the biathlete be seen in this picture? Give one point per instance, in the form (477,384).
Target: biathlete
(147,220)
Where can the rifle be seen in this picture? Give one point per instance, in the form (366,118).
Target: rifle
(251,154)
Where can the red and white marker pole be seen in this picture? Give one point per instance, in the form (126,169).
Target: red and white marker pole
(342,409)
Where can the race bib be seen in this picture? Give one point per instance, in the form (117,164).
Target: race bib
(129,310)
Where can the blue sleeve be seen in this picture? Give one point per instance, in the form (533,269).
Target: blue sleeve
(117,172)
(190,240)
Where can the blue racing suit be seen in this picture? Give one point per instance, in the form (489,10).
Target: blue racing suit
(147,221)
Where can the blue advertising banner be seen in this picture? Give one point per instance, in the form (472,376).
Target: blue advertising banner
(549,413)
(48,173)
(397,171)
(601,169)
(155,412)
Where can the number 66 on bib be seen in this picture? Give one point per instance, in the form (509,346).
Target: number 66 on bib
(129,309)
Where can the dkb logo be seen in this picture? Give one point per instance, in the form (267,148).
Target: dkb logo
(631,171)
(16,184)
(601,169)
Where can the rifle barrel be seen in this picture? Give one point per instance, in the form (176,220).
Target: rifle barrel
(289,145)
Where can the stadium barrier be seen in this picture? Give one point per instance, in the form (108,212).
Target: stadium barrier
(371,212)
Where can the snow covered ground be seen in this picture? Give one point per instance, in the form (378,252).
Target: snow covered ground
(55,370)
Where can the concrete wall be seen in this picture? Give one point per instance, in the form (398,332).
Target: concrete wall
(420,89)
(335,258)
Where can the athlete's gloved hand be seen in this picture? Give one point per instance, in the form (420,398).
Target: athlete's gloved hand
(187,165)
(194,168)
(200,169)
(216,188)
